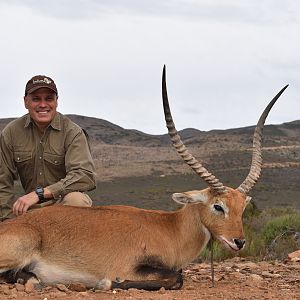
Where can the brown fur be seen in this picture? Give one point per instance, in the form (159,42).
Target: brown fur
(114,241)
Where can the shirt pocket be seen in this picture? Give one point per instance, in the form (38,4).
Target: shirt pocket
(22,157)
(24,164)
(55,164)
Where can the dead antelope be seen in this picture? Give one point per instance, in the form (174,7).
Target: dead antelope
(125,247)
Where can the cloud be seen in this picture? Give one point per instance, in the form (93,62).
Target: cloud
(225,59)
(217,10)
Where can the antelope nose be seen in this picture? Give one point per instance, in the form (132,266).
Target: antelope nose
(240,243)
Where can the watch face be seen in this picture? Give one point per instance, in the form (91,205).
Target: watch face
(39,190)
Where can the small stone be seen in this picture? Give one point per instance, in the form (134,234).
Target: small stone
(270,275)
(195,278)
(162,290)
(190,288)
(7,292)
(5,289)
(29,287)
(294,256)
(77,287)
(255,277)
(61,287)
(19,287)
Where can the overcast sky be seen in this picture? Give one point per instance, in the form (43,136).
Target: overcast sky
(225,59)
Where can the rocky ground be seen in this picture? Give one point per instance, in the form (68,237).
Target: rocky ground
(234,279)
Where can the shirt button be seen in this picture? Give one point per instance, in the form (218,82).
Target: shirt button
(40,157)
(41,173)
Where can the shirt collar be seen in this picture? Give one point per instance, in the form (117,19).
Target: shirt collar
(55,123)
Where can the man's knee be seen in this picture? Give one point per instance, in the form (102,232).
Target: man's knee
(77,199)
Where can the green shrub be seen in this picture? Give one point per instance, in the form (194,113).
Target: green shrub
(254,246)
(280,226)
(251,211)
(280,235)
(219,252)
(270,234)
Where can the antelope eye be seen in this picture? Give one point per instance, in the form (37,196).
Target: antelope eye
(218,208)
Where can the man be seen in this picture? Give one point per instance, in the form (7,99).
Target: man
(47,151)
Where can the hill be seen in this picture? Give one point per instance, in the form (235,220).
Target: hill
(140,169)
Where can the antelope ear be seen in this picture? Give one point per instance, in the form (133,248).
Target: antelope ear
(194,197)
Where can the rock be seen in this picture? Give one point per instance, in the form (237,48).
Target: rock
(195,278)
(134,290)
(61,287)
(29,287)
(190,288)
(255,277)
(294,256)
(77,287)
(19,287)
(4,288)
(248,267)
(270,275)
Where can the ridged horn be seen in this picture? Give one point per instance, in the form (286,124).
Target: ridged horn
(256,163)
(215,185)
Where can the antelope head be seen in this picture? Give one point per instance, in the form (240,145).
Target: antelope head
(220,208)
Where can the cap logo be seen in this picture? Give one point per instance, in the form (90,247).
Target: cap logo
(45,80)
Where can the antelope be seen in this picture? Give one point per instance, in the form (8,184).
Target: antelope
(126,247)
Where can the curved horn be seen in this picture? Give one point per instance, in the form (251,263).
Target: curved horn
(216,186)
(256,163)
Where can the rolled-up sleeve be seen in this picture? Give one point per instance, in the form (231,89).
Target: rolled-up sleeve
(8,173)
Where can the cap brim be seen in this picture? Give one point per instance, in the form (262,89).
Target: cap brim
(40,87)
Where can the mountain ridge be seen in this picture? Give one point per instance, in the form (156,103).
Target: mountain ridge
(110,133)
(141,169)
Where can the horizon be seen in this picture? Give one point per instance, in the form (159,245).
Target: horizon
(166,132)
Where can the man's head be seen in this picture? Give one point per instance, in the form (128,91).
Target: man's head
(41,100)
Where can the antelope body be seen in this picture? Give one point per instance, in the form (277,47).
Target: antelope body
(122,247)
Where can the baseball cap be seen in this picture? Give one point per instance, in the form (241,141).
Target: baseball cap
(40,81)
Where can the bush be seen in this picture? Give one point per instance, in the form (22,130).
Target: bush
(219,253)
(270,234)
(280,226)
(282,236)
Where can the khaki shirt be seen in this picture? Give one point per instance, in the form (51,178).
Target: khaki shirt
(59,160)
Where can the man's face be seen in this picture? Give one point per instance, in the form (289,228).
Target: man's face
(41,105)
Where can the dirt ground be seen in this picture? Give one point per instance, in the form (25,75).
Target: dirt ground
(234,279)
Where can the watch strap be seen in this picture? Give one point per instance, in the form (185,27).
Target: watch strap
(40,193)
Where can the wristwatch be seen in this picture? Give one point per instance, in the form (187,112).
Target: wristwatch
(40,192)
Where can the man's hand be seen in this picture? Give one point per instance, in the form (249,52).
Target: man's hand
(23,203)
